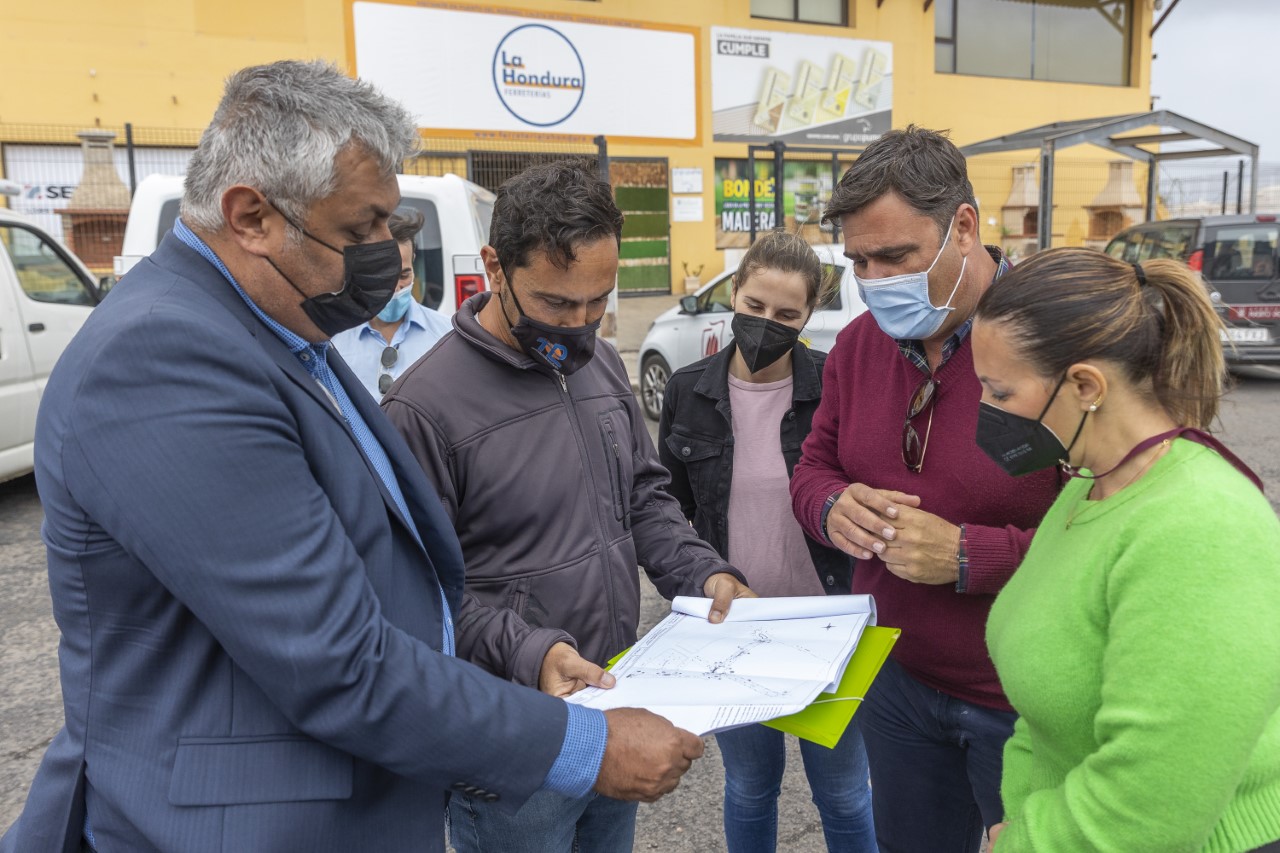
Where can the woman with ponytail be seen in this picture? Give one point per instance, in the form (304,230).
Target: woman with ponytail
(1140,638)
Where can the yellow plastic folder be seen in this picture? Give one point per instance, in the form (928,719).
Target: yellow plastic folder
(826,718)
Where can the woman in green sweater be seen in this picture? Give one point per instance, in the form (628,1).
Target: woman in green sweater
(1140,639)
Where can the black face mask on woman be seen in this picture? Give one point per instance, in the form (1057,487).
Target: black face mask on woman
(562,348)
(370,273)
(1021,445)
(761,341)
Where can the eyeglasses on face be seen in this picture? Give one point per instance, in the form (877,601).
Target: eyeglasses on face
(913,447)
(389,356)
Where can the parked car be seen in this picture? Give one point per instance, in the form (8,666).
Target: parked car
(447,261)
(700,326)
(46,294)
(1237,256)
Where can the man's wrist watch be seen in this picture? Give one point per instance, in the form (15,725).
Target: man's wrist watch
(962,562)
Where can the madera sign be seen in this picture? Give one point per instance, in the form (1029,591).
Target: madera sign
(538,75)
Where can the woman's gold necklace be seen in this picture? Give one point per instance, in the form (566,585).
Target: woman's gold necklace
(1077,509)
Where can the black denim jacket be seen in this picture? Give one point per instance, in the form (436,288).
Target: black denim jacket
(695,443)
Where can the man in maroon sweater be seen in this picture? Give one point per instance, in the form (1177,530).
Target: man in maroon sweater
(892,475)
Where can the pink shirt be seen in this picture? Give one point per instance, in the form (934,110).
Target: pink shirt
(765,541)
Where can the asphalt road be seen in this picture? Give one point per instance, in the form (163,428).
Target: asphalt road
(687,820)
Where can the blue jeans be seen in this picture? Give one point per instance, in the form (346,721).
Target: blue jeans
(935,765)
(754,758)
(546,823)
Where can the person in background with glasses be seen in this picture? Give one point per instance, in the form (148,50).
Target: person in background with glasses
(1144,662)
(379,351)
(891,474)
(730,434)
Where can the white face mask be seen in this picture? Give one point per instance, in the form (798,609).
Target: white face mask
(900,303)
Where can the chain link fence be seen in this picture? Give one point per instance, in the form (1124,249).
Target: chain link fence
(77,181)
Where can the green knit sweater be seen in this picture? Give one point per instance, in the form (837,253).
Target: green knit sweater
(1140,642)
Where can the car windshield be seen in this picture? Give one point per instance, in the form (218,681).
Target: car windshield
(718,298)
(1169,241)
(1242,252)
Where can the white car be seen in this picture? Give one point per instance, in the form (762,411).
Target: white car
(46,294)
(446,257)
(700,326)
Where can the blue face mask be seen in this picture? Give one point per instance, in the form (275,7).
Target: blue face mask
(397,307)
(900,303)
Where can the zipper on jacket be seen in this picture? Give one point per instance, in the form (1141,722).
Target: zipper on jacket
(602,540)
(620,508)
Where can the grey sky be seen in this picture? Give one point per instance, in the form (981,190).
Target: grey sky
(1216,62)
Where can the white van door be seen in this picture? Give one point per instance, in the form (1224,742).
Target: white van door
(19,396)
(54,295)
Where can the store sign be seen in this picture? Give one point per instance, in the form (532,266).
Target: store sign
(468,71)
(806,192)
(538,75)
(808,90)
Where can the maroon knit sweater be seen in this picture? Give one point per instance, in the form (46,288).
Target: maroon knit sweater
(857,438)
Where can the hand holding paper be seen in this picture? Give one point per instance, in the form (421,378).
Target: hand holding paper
(769,658)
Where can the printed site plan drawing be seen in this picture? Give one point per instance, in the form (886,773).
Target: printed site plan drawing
(769,658)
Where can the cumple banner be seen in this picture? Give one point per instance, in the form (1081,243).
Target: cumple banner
(803,90)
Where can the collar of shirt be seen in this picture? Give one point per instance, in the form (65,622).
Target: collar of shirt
(913,350)
(296,344)
(412,317)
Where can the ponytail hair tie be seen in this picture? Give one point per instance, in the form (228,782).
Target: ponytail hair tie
(1142,276)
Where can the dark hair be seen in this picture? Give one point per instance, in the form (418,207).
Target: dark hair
(1067,305)
(786,252)
(405,223)
(922,166)
(552,208)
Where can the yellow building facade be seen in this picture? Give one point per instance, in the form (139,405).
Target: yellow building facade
(976,67)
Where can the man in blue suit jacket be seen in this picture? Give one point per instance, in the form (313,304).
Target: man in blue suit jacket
(252,577)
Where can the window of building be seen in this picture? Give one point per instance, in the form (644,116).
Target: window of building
(1035,39)
(806,11)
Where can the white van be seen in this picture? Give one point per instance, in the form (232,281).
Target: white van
(46,294)
(447,261)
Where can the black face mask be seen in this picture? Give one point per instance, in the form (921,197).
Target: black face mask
(1021,445)
(370,273)
(564,349)
(761,341)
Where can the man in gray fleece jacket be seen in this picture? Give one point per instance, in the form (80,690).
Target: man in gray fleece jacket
(528,427)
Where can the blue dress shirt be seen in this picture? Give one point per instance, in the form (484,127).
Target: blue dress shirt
(361,348)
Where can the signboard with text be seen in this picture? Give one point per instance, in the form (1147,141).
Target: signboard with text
(803,90)
(487,71)
(806,190)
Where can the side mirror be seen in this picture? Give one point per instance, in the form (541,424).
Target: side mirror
(105,283)
(689,305)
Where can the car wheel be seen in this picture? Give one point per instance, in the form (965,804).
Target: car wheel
(654,374)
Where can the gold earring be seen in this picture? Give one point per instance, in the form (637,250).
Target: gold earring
(1093,407)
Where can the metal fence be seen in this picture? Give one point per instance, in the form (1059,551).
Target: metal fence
(1095,199)
(77,181)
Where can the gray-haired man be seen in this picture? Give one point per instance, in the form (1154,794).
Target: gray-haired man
(253,580)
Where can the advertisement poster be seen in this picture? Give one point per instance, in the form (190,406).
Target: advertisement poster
(485,71)
(803,90)
(806,190)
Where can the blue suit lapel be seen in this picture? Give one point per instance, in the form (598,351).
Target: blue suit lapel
(175,255)
(434,528)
